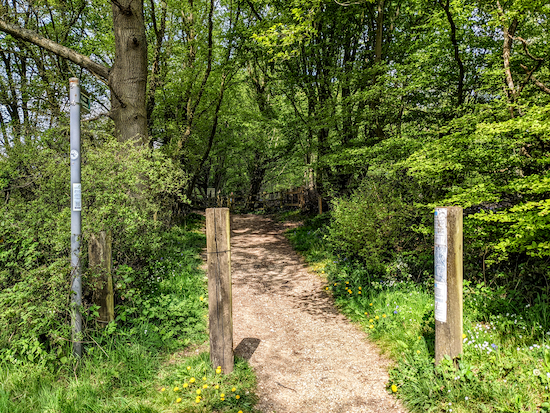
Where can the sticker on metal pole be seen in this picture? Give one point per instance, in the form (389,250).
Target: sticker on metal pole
(440,260)
(77,197)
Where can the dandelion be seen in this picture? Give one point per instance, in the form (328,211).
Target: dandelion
(536,372)
(198,391)
(178,400)
(326,288)
(185,385)
(376,318)
(237,397)
(394,388)
(204,379)
(188,367)
(366,313)
(466,398)
(163,389)
(370,304)
(222,395)
(192,380)
(417,351)
(371,326)
(198,400)
(201,298)
(464,336)
(383,315)
(176,389)
(359,288)
(349,291)
(371,321)
(233,389)
(218,370)
(359,292)
(205,386)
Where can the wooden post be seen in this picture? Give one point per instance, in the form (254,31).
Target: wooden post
(218,245)
(100,262)
(448,282)
(320,201)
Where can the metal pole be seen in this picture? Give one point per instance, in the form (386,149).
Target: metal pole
(76,207)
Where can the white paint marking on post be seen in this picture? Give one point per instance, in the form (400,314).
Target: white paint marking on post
(440,259)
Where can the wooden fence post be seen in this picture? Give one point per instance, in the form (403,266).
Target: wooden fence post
(218,245)
(320,201)
(100,262)
(448,282)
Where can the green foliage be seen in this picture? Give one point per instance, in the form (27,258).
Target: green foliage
(35,228)
(377,223)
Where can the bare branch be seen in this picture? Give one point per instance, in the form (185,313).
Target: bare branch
(60,50)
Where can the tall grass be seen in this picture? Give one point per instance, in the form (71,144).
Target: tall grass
(135,363)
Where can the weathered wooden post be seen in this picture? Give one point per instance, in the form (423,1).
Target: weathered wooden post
(320,201)
(218,245)
(100,262)
(448,253)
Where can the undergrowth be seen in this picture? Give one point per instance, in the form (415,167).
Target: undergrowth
(138,363)
(505,365)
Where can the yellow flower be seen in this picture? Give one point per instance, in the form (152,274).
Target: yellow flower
(163,389)
(218,371)
(233,389)
(349,291)
(176,389)
(201,298)
(371,326)
(188,367)
(463,336)
(237,397)
(192,380)
(370,304)
(205,386)
(383,315)
(222,395)
(347,282)
(335,284)
(204,379)
(178,400)
(371,321)
(359,292)
(198,391)
(185,385)
(240,411)
(326,288)
(393,388)
(376,317)
(417,351)
(198,400)
(420,337)
(366,313)
(359,287)
(216,387)
(222,399)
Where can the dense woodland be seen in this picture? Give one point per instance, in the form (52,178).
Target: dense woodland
(386,108)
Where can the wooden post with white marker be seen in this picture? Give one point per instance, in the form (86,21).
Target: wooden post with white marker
(448,254)
(218,246)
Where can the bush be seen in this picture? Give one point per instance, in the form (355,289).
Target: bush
(125,188)
(377,224)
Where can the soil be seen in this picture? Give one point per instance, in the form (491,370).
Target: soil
(306,355)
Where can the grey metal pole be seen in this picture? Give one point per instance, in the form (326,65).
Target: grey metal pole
(76,208)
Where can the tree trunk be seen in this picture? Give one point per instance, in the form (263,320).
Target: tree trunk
(128,76)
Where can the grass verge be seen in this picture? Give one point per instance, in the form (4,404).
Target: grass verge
(138,364)
(505,365)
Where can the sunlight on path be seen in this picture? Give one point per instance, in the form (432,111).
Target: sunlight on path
(307,356)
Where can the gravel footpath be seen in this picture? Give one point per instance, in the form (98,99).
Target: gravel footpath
(307,356)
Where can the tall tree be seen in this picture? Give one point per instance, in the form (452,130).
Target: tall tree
(126,78)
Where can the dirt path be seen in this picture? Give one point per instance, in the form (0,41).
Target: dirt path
(308,357)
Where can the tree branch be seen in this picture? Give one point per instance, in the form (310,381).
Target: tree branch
(60,50)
